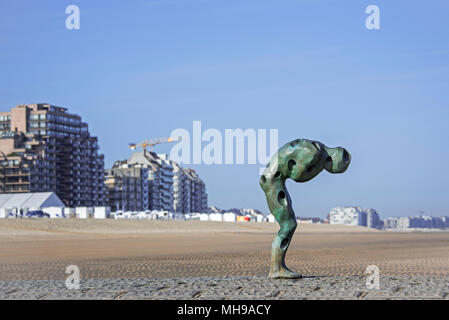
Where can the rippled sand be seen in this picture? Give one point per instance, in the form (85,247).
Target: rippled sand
(41,249)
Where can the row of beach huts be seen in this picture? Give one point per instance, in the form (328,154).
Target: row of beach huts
(105,213)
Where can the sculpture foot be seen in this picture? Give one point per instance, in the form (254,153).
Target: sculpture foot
(284,273)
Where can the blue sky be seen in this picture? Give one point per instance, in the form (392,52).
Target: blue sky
(139,69)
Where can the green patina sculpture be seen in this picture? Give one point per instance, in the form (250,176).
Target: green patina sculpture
(300,160)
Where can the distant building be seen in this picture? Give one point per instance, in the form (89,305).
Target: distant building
(403,223)
(170,187)
(194,198)
(391,223)
(43,148)
(373,219)
(127,187)
(353,216)
(166,187)
(160,179)
(309,219)
(417,222)
(189,191)
(181,190)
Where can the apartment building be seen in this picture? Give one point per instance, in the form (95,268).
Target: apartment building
(196,199)
(373,219)
(417,222)
(189,191)
(391,223)
(353,216)
(356,216)
(170,186)
(45,148)
(160,179)
(127,187)
(181,191)
(166,185)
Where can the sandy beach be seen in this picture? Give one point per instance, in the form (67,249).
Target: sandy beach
(41,249)
(177,259)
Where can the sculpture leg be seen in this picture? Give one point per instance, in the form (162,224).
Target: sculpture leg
(278,269)
(286,218)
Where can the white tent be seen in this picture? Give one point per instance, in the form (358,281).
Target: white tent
(35,200)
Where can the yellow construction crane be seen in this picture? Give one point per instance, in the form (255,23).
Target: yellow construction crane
(152,143)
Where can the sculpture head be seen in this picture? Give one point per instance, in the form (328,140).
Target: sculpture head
(302,159)
(337,160)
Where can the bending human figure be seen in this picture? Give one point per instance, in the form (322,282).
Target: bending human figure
(300,160)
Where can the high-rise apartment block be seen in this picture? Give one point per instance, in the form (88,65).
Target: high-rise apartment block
(189,191)
(170,186)
(45,148)
(373,219)
(160,179)
(127,187)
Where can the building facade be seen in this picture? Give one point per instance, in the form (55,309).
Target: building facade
(160,179)
(353,216)
(373,219)
(181,190)
(170,187)
(417,222)
(165,172)
(356,216)
(391,223)
(195,198)
(43,148)
(127,187)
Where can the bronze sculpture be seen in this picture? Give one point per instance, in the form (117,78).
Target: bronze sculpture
(300,160)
